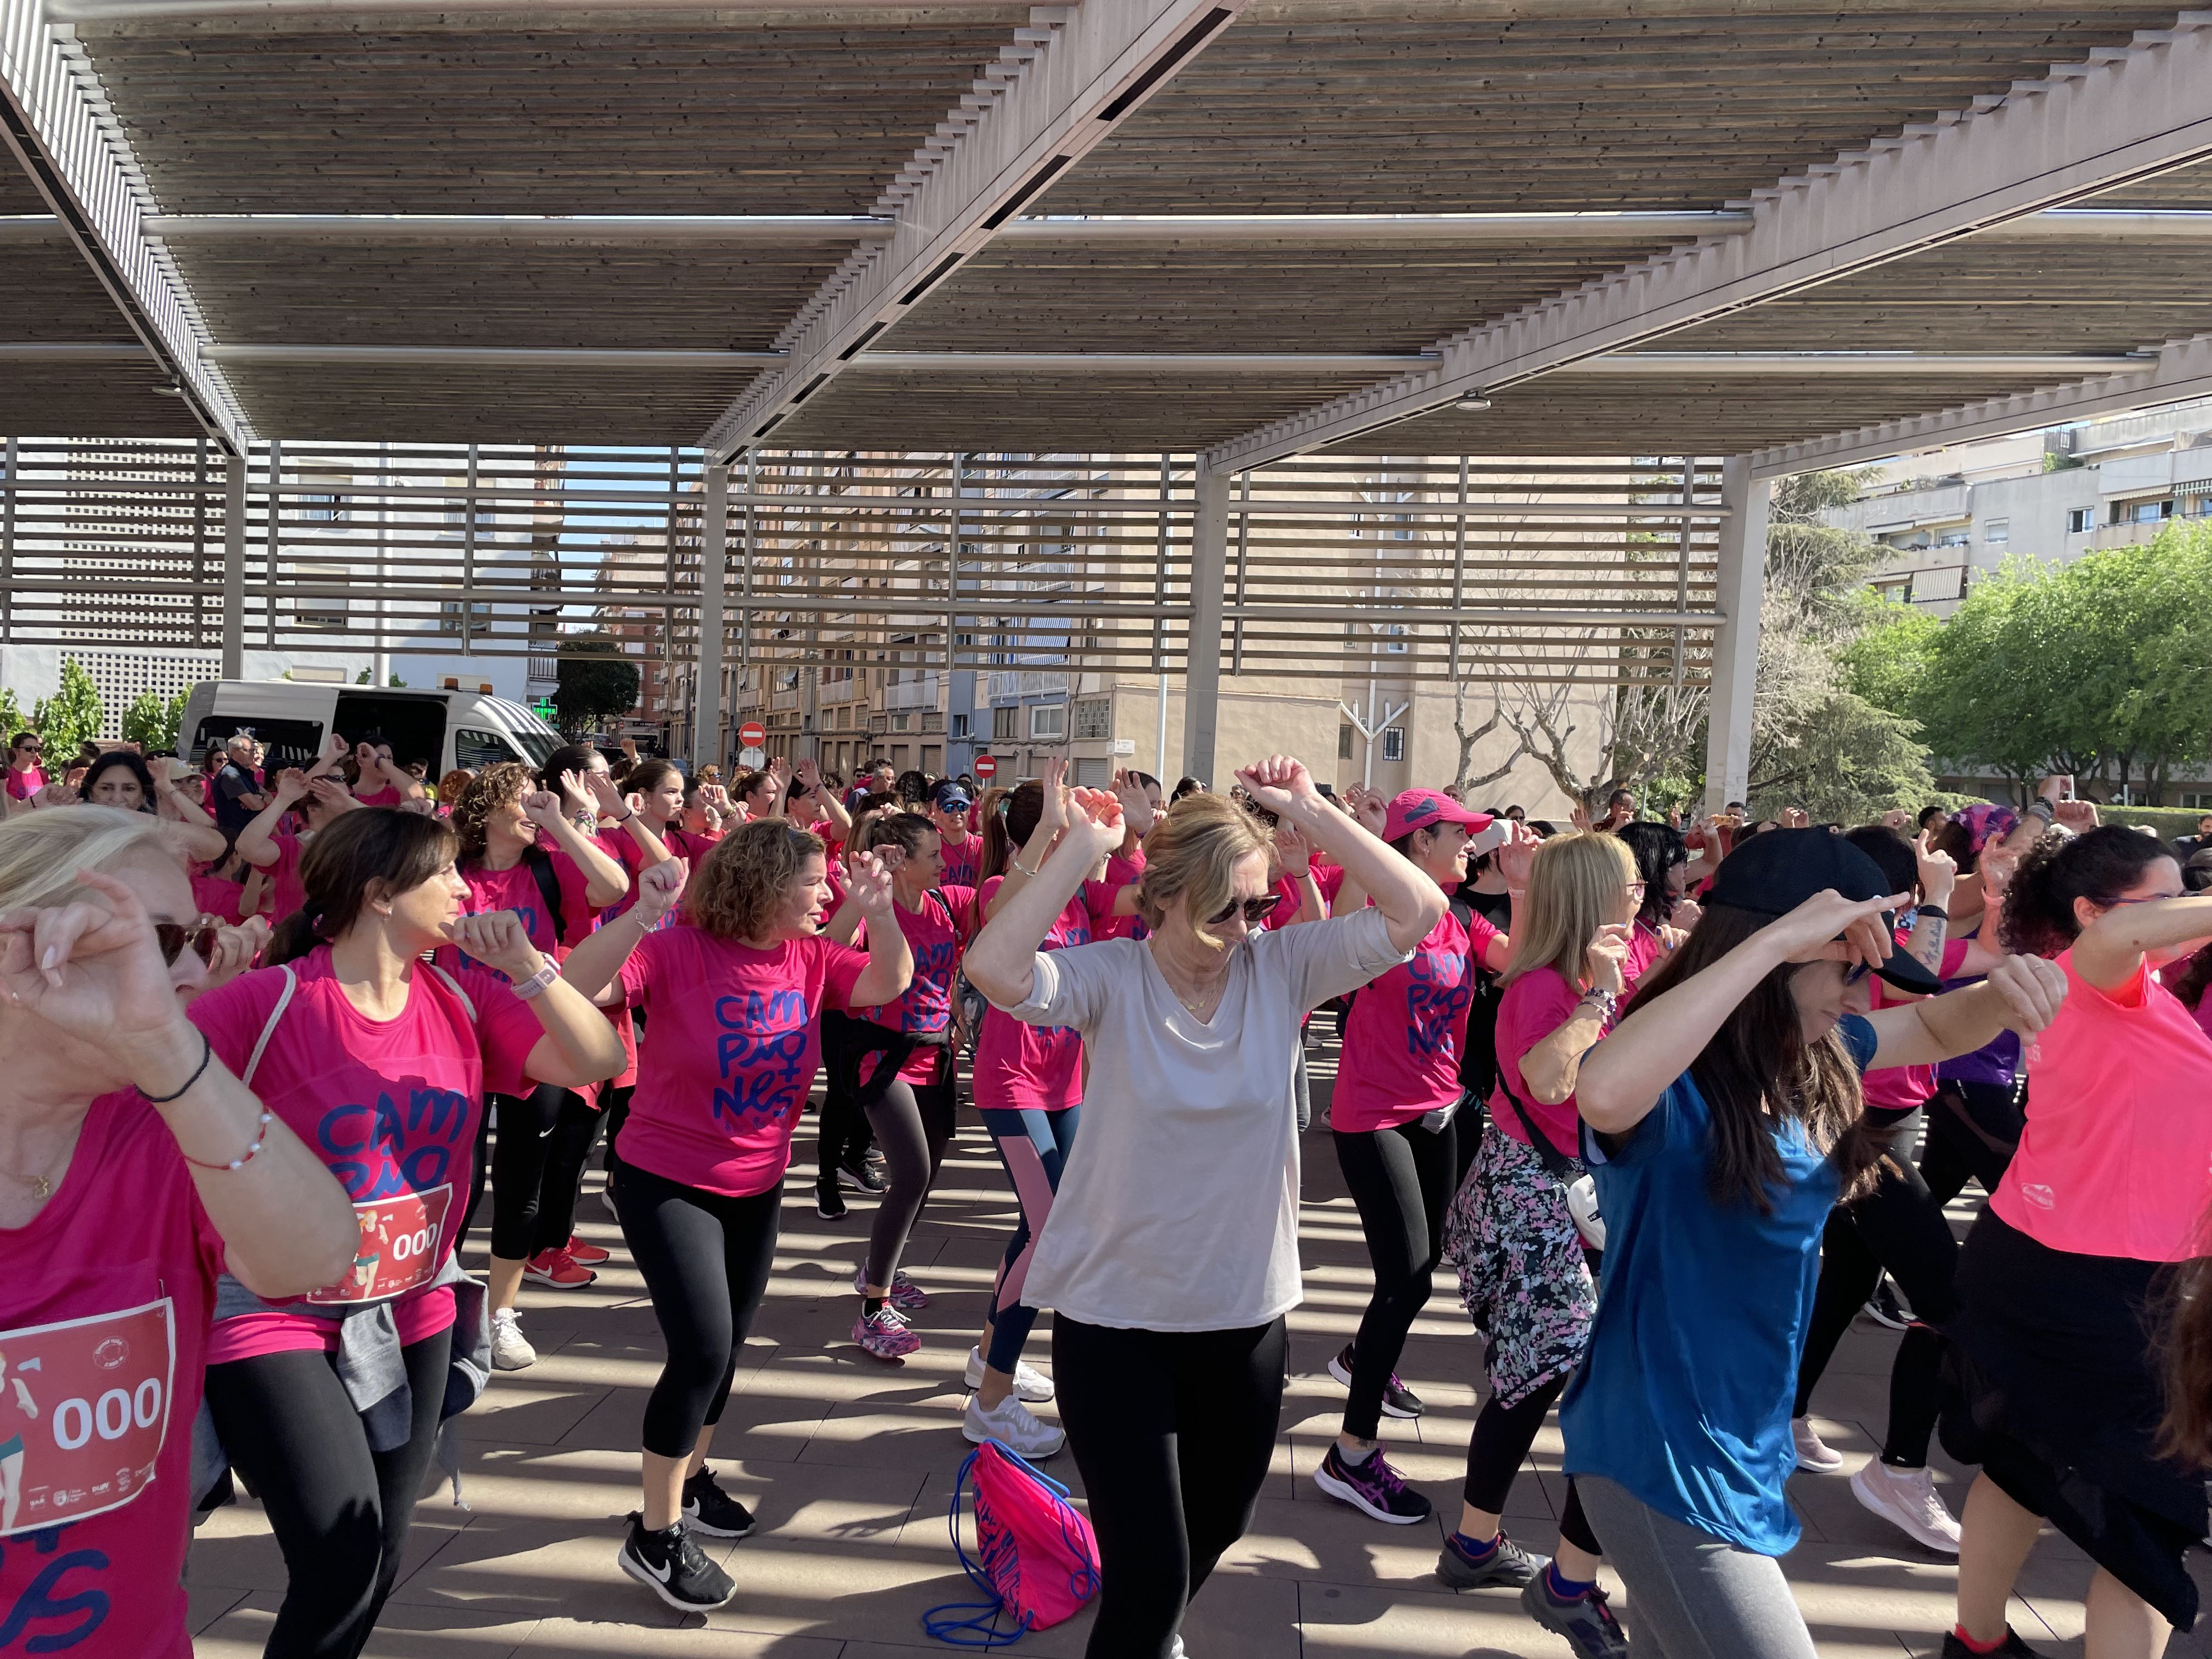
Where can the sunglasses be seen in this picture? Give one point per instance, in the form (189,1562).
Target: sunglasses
(1256,910)
(173,936)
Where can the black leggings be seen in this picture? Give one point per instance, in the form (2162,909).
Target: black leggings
(1973,1129)
(705,1259)
(568,1151)
(1173,1431)
(339,1510)
(912,1123)
(518,1155)
(1899,1226)
(842,1131)
(1503,1436)
(1401,1181)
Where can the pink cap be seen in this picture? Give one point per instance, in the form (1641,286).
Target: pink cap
(1423,809)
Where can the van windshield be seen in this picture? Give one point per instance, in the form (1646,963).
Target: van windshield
(538,745)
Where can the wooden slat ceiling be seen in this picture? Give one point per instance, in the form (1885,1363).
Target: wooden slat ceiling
(1039,413)
(1437,106)
(567,112)
(52,400)
(1726,415)
(422,291)
(347,403)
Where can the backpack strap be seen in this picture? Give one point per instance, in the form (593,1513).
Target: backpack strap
(268,1027)
(454,986)
(549,886)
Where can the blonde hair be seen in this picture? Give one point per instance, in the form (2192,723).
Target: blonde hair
(735,892)
(1574,888)
(1193,850)
(41,853)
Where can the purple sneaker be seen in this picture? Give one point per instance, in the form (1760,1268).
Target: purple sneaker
(905,1296)
(885,1333)
(1372,1487)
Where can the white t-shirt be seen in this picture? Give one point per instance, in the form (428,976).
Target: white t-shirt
(1178,1210)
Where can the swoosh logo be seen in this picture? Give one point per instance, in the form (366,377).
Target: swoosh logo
(663,1573)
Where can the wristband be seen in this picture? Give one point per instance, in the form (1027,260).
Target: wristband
(2040,808)
(207,1054)
(1608,1004)
(1931,910)
(260,1139)
(537,983)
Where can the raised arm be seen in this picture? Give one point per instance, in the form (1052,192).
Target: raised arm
(287,1228)
(1622,1079)
(1410,902)
(1516,857)
(1027,859)
(2110,949)
(581,1045)
(614,810)
(593,966)
(1553,1066)
(810,778)
(1001,962)
(257,841)
(2021,993)
(190,832)
(1297,854)
(605,880)
(890,961)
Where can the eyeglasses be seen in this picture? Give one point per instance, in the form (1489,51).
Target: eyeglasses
(1857,971)
(173,936)
(1256,910)
(2148,898)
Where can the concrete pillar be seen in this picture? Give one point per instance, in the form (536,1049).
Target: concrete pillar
(1736,643)
(233,567)
(1209,556)
(714,558)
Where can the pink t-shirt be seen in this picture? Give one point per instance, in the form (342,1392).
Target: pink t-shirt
(104,1314)
(935,934)
(21,786)
(960,860)
(1329,877)
(286,891)
(390,1106)
(1895,1091)
(1535,1004)
(731,1051)
(1037,1068)
(1099,897)
(623,847)
(2116,1157)
(1407,1030)
(516,888)
(387,796)
(216,897)
(1645,946)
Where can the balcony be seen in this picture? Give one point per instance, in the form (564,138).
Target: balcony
(783,700)
(544,670)
(912,693)
(1013,684)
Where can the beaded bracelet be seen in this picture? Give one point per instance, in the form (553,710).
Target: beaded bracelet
(260,1136)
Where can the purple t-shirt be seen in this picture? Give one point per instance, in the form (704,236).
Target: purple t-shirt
(1997,1062)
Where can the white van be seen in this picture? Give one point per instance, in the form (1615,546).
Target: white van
(446,728)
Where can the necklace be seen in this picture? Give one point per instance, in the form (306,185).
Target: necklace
(42,1186)
(1197,1008)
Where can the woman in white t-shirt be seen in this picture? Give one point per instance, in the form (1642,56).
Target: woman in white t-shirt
(1170,1255)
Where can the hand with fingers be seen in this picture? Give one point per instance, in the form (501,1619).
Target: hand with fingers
(2059,787)
(2079,816)
(1136,805)
(2032,990)
(291,786)
(1939,870)
(1606,959)
(1516,855)
(57,794)
(809,776)
(1295,851)
(331,794)
(497,939)
(1280,783)
(542,808)
(235,951)
(1094,821)
(575,792)
(1578,816)
(1369,810)
(604,794)
(1053,779)
(1829,927)
(92,969)
(1797,818)
(335,749)
(868,880)
(658,887)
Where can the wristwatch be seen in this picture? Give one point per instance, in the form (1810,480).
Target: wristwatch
(536,984)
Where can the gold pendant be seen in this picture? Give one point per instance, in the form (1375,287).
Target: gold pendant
(42,1189)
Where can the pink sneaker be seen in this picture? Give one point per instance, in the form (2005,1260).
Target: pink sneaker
(905,1296)
(885,1334)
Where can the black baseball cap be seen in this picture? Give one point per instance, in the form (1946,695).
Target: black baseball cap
(1772,873)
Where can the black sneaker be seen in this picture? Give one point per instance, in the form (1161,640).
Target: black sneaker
(1372,1487)
(2014,1648)
(1507,1563)
(1585,1621)
(1887,1307)
(829,1202)
(861,1178)
(673,1567)
(708,1509)
(1398,1399)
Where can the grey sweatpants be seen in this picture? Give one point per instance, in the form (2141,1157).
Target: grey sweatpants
(1691,1596)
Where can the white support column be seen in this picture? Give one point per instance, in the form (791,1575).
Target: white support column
(1209,569)
(714,558)
(233,566)
(1743,579)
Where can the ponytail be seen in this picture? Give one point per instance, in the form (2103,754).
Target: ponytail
(2099,865)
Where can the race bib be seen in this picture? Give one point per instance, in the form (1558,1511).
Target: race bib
(402,1242)
(83,1408)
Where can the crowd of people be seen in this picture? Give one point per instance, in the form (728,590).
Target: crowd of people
(1674,1103)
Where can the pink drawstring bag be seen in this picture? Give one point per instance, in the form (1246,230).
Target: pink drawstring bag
(1036,1558)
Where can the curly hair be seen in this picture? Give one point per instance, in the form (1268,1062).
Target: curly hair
(2098,866)
(501,784)
(734,894)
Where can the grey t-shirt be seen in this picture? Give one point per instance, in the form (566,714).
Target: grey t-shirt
(1178,1210)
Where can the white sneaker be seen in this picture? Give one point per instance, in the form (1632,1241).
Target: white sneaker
(1013,1425)
(1814,1455)
(1030,1383)
(510,1349)
(1907,1500)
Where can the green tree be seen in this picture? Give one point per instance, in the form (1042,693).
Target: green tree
(597,685)
(11,717)
(152,720)
(73,715)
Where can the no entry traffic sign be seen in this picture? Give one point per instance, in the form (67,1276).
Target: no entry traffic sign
(753,734)
(986,766)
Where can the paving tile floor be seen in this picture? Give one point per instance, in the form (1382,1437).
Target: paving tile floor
(848,1463)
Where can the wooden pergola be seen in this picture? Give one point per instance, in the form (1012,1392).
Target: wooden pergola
(1769,231)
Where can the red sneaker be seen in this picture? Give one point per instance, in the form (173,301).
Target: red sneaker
(557,1268)
(589,1254)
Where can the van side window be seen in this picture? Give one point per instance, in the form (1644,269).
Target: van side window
(475,749)
(289,743)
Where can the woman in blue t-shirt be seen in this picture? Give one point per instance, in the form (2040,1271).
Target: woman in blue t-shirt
(1715,1186)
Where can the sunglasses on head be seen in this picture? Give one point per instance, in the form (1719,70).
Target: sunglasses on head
(1256,910)
(173,936)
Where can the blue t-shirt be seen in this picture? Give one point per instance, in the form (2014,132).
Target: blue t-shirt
(1684,1396)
